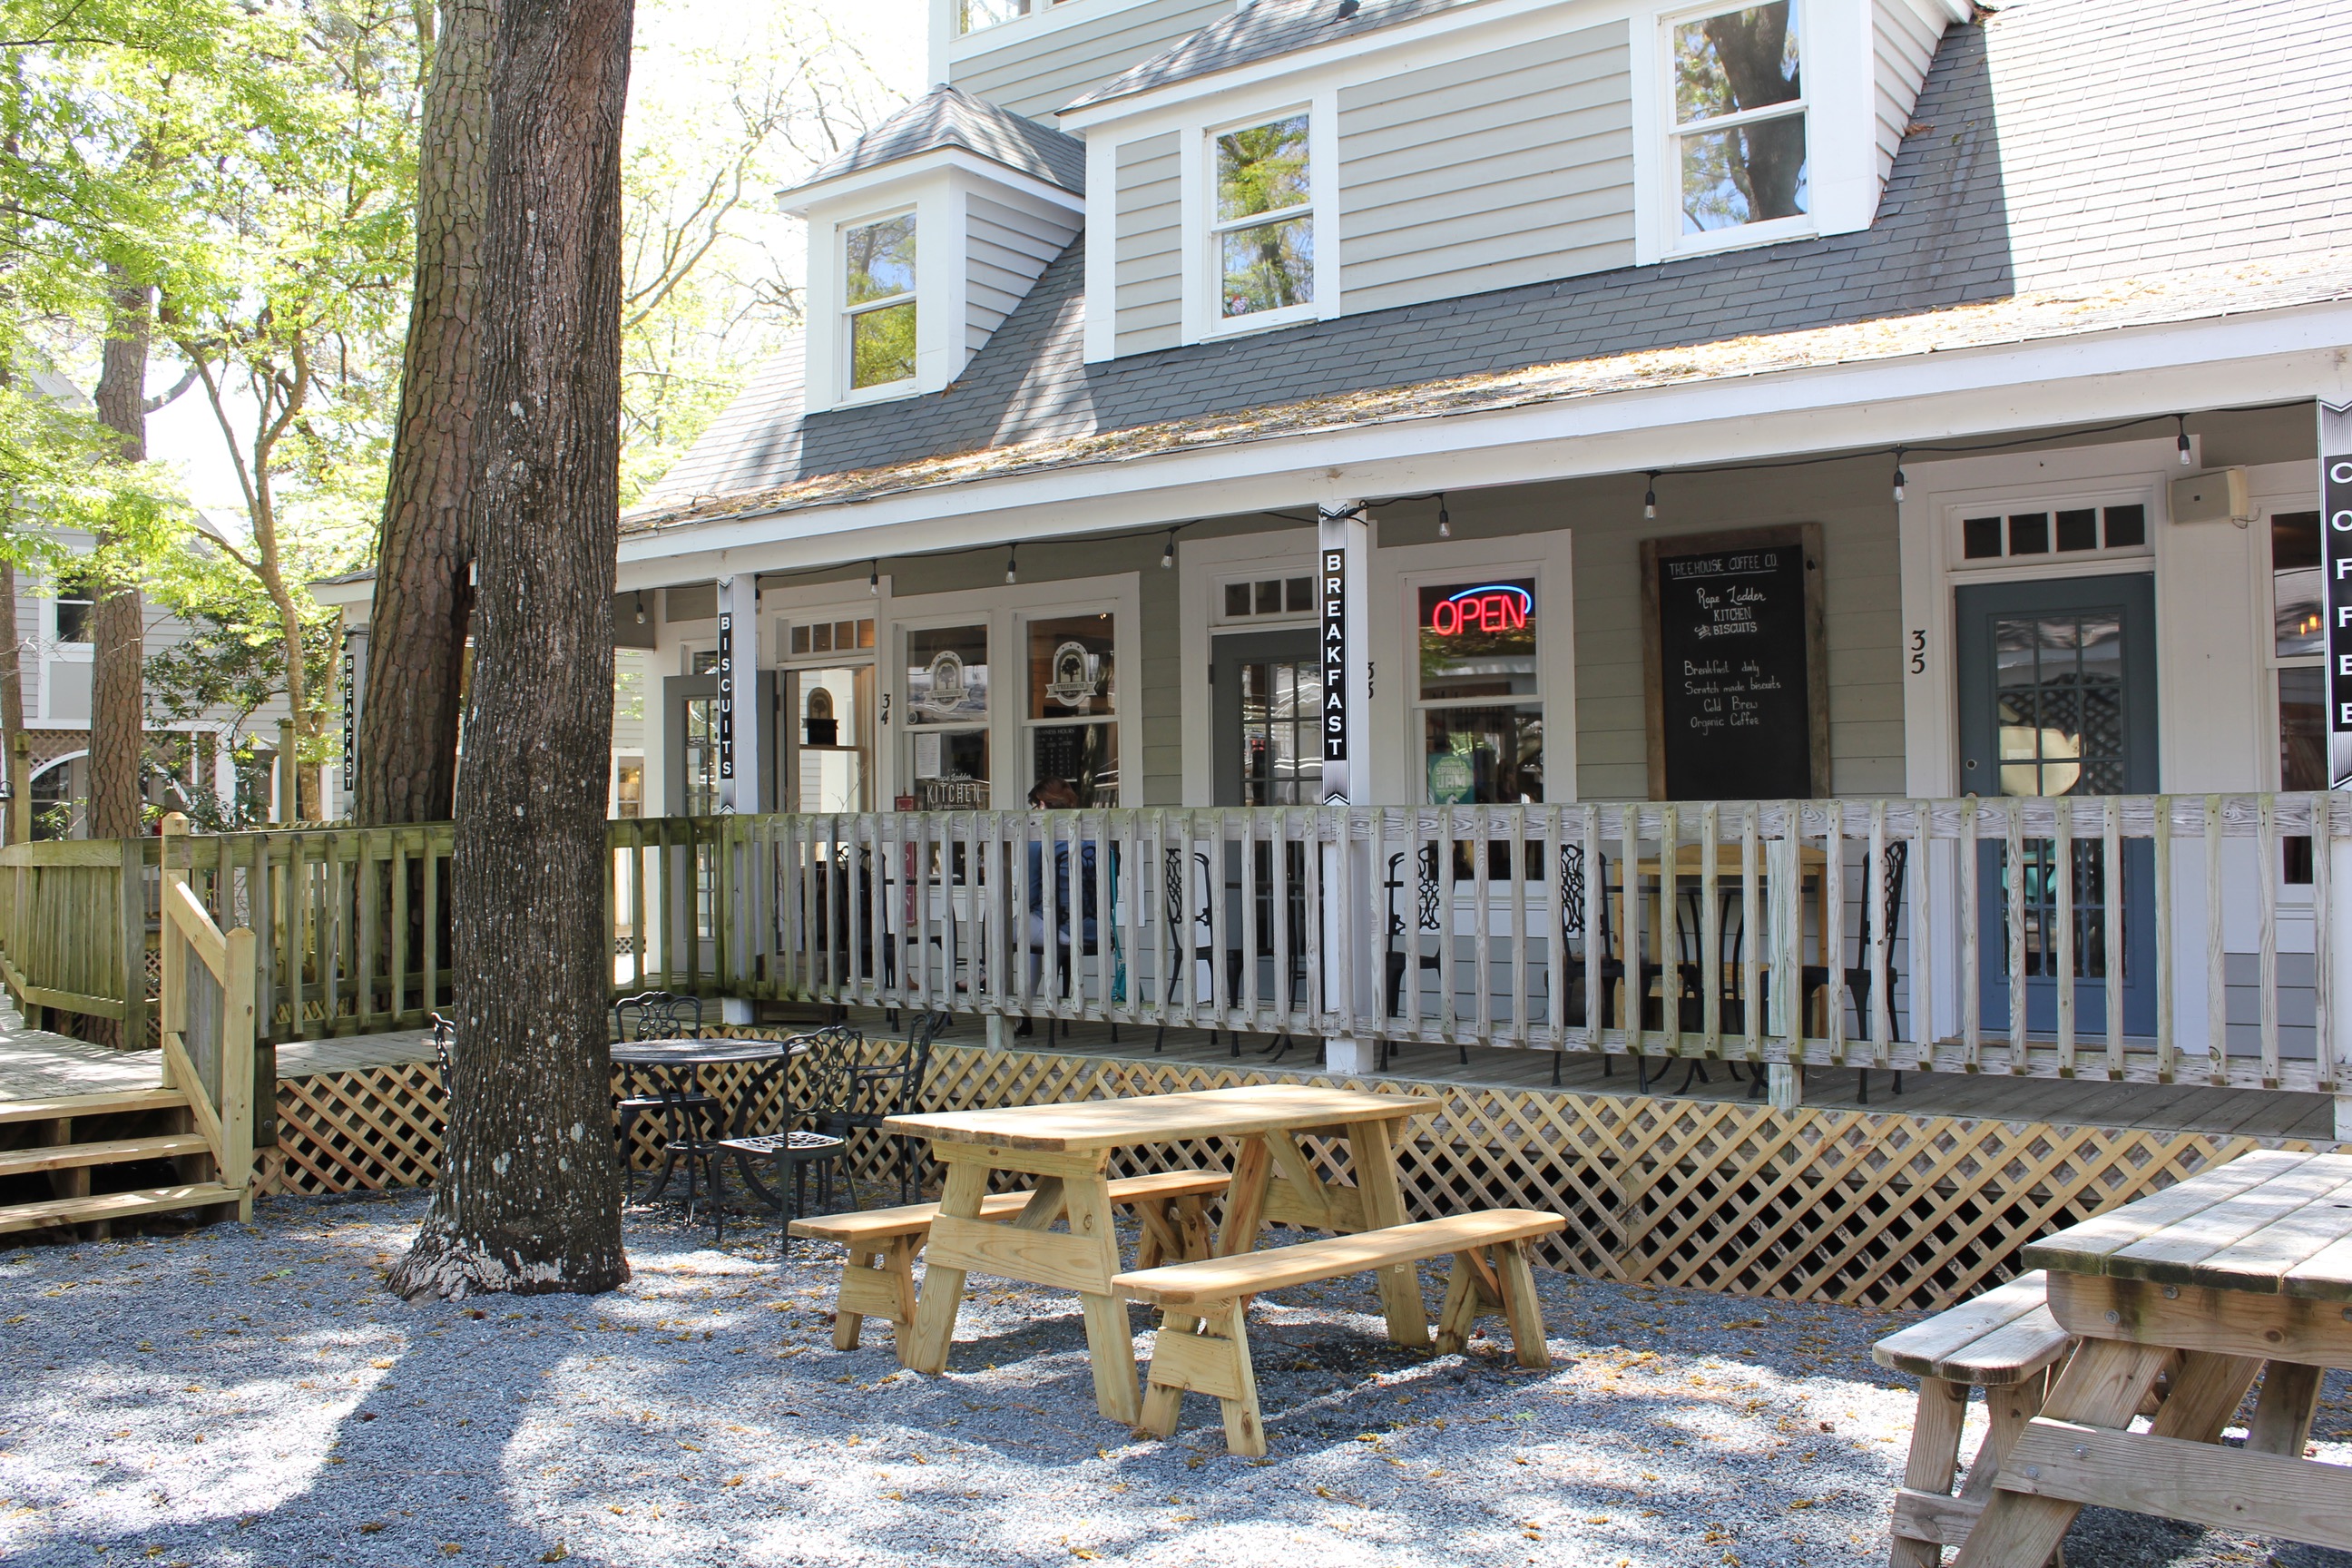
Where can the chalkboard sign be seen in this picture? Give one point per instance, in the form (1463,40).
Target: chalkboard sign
(1736,670)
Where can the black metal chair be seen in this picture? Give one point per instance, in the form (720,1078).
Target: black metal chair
(857,1084)
(1426,921)
(664,1016)
(1858,978)
(1612,965)
(790,1150)
(1201,921)
(445,1035)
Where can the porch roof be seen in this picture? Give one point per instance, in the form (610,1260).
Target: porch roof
(2071,169)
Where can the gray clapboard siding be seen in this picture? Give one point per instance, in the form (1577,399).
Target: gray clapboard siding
(1483,173)
(1903,42)
(1005,248)
(1150,249)
(1035,74)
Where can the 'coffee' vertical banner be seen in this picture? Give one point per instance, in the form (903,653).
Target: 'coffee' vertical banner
(2336,561)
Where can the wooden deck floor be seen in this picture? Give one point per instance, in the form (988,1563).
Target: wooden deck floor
(37,1065)
(2167,1108)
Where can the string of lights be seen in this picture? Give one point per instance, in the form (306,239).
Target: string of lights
(1649,495)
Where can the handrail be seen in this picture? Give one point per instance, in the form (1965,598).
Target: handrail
(208,1037)
(1435,924)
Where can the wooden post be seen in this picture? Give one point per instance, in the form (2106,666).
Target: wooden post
(20,788)
(290,798)
(134,947)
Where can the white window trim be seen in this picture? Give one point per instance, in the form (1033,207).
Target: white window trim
(844,350)
(1203,315)
(2053,562)
(1658,134)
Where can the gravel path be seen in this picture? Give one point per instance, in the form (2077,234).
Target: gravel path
(254,1399)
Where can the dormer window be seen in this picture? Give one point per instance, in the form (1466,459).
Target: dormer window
(1738,126)
(878,272)
(1263,234)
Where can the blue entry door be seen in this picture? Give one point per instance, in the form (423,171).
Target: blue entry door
(2057,689)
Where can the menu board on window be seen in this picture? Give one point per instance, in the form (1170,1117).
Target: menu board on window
(1736,668)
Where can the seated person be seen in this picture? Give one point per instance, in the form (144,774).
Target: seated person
(1058,794)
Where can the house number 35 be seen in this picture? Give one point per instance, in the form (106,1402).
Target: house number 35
(1918,651)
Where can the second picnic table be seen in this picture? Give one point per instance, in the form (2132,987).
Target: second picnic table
(1067,1149)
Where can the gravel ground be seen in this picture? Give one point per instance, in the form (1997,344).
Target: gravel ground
(256,1398)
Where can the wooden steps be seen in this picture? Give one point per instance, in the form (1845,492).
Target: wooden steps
(108,1151)
(114,1206)
(112,1102)
(69,1164)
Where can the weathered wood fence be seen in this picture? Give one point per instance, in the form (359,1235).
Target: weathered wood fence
(2150,939)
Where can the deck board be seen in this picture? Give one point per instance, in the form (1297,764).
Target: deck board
(36,1064)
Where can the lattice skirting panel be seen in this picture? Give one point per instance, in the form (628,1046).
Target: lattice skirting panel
(1853,1206)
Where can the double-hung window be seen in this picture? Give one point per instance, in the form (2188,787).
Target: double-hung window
(1739,127)
(879,266)
(76,603)
(1262,228)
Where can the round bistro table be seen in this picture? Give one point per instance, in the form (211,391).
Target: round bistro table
(674,1064)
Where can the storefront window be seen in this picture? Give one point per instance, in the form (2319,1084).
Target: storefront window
(1073,705)
(1482,731)
(832,737)
(947,717)
(701,756)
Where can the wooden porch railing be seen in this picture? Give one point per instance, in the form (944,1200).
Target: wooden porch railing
(207,1016)
(1878,933)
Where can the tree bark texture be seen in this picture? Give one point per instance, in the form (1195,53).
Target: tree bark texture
(408,712)
(119,621)
(529,1199)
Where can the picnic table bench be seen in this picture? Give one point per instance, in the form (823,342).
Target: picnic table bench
(1213,1292)
(878,1281)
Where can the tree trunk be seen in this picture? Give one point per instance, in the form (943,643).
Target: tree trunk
(117,741)
(529,1199)
(408,712)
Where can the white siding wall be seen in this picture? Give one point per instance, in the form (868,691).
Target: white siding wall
(1904,35)
(1487,172)
(1035,69)
(1005,247)
(1149,309)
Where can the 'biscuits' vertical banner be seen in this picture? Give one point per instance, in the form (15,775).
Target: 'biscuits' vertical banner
(727,704)
(2335,564)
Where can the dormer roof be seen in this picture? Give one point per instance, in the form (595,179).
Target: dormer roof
(949,118)
(1261,31)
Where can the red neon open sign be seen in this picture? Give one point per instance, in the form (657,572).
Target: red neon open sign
(1487,609)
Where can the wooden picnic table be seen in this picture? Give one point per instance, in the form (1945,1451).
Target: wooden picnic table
(2242,1270)
(1067,1147)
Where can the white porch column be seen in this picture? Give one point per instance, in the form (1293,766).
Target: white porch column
(1343,572)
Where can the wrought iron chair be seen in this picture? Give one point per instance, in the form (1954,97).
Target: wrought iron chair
(663,1015)
(1858,979)
(1201,921)
(1426,921)
(791,1149)
(1612,965)
(445,1035)
(857,1084)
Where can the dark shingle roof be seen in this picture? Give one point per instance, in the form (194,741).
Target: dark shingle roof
(1257,32)
(2076,168)
(949,117)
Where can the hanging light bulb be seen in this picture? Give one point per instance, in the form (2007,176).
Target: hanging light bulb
(1012,567)
(874,578)
(1650,495)
(1444,518)
(641,606)
(1167,553)
(1898,473)
(2181,441)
